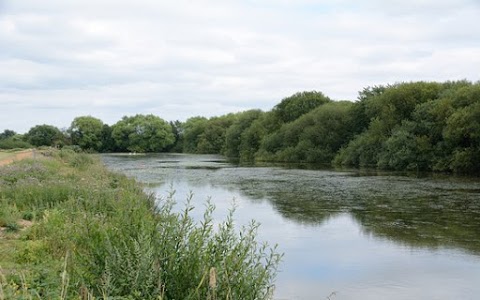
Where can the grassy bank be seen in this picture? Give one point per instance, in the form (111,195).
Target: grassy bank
(70,229)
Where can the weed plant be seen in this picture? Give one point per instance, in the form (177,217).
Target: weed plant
(98,235)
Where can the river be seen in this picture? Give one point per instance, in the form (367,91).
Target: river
(344,234)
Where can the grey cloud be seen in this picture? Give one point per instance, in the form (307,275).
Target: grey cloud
(210,57)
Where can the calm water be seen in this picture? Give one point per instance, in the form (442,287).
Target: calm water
(356,235)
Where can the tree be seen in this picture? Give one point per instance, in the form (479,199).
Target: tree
(397,102)
(234,133)
(177,130)
(7,133)
(44,135)
(314,137)
(86,132)
(291,108)
(108,143)
(212,140)
(192,129)
(142,133)
(364,149)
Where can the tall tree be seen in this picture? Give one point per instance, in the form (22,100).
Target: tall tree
(192,130)
(7,133)
(291,108)
(86,132)
(234,132)
(44,135)
(142,133)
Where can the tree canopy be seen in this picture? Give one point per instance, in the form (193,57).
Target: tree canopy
(417,126)
(142,133)
(86,132)
(44,135)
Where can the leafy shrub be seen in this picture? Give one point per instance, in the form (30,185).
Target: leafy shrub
(14,143)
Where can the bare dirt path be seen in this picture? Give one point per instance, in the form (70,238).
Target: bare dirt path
(30,153)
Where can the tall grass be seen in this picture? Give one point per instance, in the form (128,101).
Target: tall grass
(97,235)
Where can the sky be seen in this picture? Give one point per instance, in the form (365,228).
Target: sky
(182,58)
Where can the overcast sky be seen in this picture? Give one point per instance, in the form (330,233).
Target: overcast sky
(177,59)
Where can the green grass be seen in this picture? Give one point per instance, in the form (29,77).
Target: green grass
(98,235)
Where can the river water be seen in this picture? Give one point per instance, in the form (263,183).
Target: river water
(344,234)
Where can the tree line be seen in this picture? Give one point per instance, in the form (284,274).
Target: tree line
(415,126)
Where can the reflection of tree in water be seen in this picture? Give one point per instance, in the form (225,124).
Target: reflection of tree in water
(418,212)
(428,214)
(424,222)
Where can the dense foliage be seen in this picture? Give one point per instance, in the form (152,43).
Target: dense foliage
(418,126)
(97,235)
(9,139)
(142,133)
(44,135)
(86,132)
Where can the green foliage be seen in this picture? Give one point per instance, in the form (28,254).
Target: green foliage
(252,138)
(9,215)
(7,133)
(291,108)
(142,133)
(108,143)
(177,130)
(14,142)
(406,151)
(421,126)
(315,137)
(364,150)
(86,132)
(417,126)
(397,102)
(193,128)
(212,139)
(44,135)
(97,235)
(233,137)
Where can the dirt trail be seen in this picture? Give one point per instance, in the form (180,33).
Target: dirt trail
(18,156)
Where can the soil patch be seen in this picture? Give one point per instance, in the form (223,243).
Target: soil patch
(31,153)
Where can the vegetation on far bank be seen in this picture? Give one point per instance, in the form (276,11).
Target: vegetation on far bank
(417,126)
(70,229)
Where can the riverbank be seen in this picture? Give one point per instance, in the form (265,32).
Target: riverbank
(10,157)
(73,230)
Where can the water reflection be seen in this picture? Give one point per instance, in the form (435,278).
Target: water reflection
(372,236)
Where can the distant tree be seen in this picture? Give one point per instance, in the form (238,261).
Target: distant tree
(365,149)
(192,130)
(291,108)
(13,142)
(108,143)
(177,130)
(212,139)
(7,133)
(142,133)
(233,136)
(397,102)
(252,138)
(314,137)
(406,151)
(44,135)
(86,132)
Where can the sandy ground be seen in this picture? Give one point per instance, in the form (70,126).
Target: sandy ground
(18,156)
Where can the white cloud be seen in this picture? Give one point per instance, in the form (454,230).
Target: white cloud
(209,57)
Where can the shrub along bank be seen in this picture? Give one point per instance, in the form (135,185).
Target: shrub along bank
(73,230)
